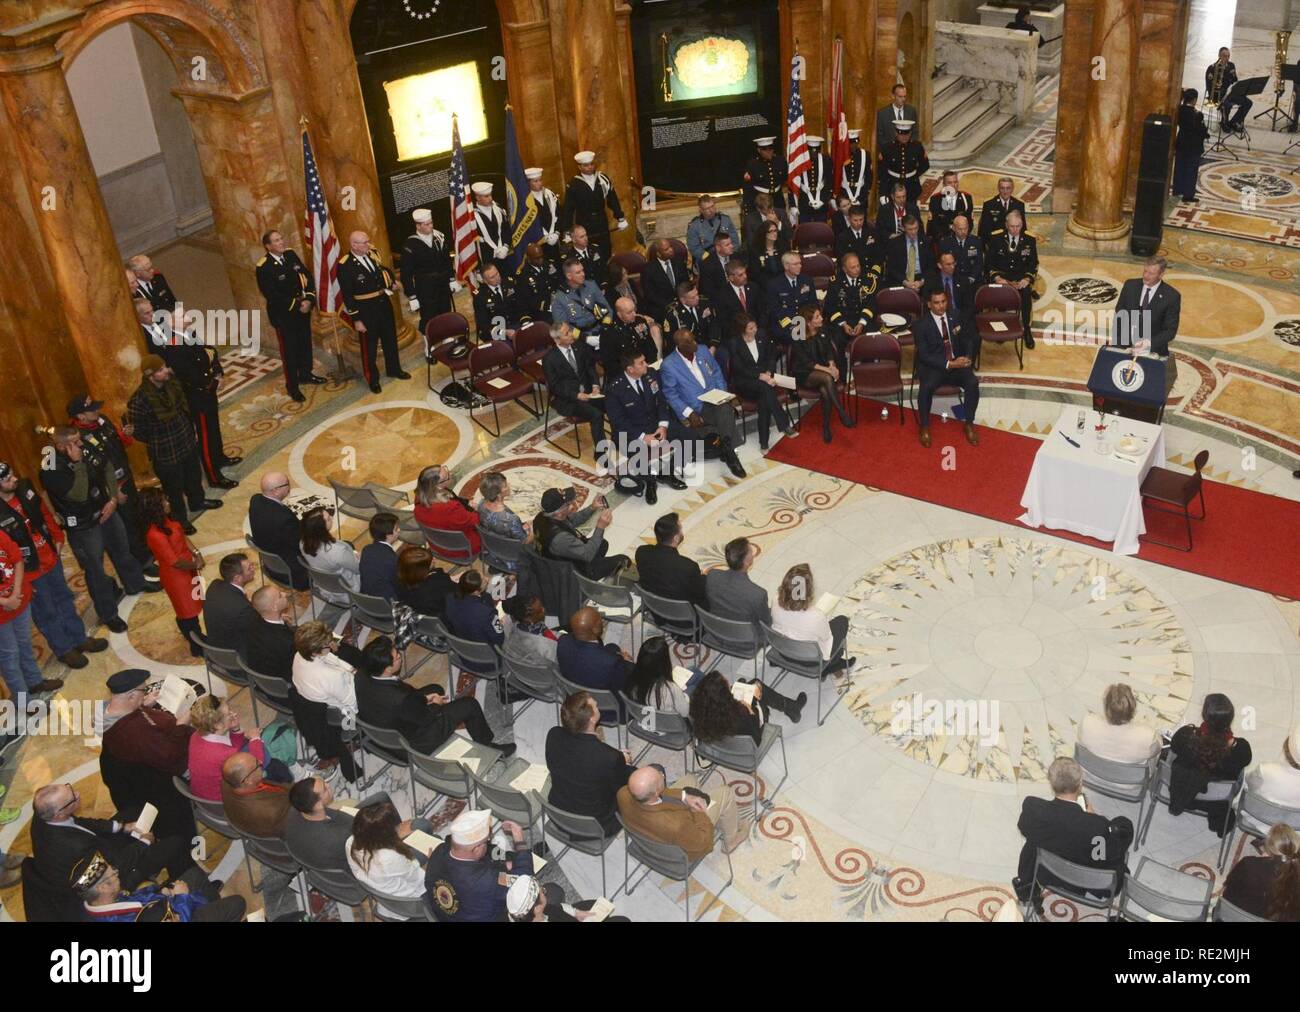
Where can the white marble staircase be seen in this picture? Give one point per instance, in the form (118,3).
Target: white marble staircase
(965,121)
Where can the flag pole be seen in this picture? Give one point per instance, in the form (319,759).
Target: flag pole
(342,371)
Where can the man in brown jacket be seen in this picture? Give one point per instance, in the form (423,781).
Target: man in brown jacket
(681,814)
(254,805)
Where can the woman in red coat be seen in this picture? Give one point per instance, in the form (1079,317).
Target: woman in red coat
(179,562)
(438,507)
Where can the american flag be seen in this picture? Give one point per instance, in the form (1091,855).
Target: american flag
(320,235)
(463,226)
(836,125)
(796,143)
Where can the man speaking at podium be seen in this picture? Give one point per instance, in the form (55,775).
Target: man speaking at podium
(1146,316)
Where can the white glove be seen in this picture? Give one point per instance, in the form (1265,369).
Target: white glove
(793,215)
(552,238)
(415,305)
(501,252)
(455,286)
(567,238)
(594,341)
(622,224)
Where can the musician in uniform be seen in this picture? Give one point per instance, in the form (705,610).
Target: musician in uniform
(855,175)
(286,285)
(426,269)
(702,230)
(850,305)
(947,201)
(366,285)
(816,184)
(692,311)
(538,280)
(1220,76)
(150,284)
(496,308)
(967,250)
(493,227)
(904,160)
(589,196)
(994,211)
(548,213)
(1012,259)
(581,304)
(767,170)
(591,256)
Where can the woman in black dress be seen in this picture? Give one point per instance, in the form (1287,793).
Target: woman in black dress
(765,257)
(717,714)
(1269,886)
(420,585)
(753,368)
(1201,754)
(812,364)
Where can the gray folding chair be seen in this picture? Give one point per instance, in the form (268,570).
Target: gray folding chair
(616,604)
(582,833)
(1097,888)
(505,802)
(501,547)
(607,700)
(444,777)
(675,619)
(1157,892)
(1256,815)
(210,813)
(1217,790)
(1225,911)
(482,660)
(1121,781)
(536,681)
(431,635)
(668,860)
(663,728)
(222,663)
(361,502)
(408,528)
(741,754)
(802,658)
(375,613)
(273,693)
(732,638)
(339,884)
(451,547)
(388,746)
(322,583)
(396,908)
(274,854)
(275,570)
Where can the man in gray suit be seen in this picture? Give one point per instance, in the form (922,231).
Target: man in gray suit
(898,109)
(732,594)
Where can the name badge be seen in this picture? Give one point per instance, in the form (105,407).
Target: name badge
(72,521)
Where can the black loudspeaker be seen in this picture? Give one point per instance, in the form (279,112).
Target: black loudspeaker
(1153,184)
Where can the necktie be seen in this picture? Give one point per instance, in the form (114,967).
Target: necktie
(911,259)
(668,269)
(947,284)
(1004,206)
(369,266)
(794,284)
(1013,244)
(740,294)
(496,291)
(637,385)
(1146,297)
(144,287)
(947,344)
(857,234)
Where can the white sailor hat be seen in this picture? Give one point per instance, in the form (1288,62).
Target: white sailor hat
(482,188)
(904,125)
(813,141)
(421,215)
(522,895)
(854,134)
(533,173)
(585,157)
(470,827)
(764,142)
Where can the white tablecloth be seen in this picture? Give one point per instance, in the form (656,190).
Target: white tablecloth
(1075,488)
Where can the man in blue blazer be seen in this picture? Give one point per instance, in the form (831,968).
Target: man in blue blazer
(687,374)
(942,359)
(378,563)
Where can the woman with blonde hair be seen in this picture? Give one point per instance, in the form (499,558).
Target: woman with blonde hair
(794,615)
(494,515)
(217,736)
(319,674)
(1269,886)
(1117,736)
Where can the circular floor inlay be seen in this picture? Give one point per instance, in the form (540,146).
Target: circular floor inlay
(1265,184)
(1288,331)
(1090,291)
(388,445)
(979,655)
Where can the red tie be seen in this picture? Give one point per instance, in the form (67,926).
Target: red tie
(740,293)
(947,344)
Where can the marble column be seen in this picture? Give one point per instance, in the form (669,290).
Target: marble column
(1158,87)
(1072,105)
(804,22)
(1100,210)
(886,69)
(79,248)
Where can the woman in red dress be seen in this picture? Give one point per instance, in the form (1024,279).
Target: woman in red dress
(179,562)
(438,507)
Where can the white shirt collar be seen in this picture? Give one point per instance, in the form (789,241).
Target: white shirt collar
(223,738)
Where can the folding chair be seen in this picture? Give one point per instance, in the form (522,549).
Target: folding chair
(876,370)
(802,658)
(505,802)
(493,376)
(209,813)
(997,318)
(444,777)
(741,754)
(276,571)
(536,681)
(731,637)
(441,334)
(582,833)
(1178,490)
(614,602)
(225,664)
(668,860)
(662,728)
(451,547)
(1157,892)
(1122,781)
(1097,888)
(675,619)
(607,701)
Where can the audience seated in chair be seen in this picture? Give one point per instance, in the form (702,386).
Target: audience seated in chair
(329,555)
(528,900)
(682,814)
(717,715)
(148,736)
(558,536)
(421,585)
(1279,782)
(217,736)
(98,884)
(1203,753)
(464,883)
(732,594)
(379,857)
(586,774)
(314,831)
(225,602)
(528,638)
(1268,886)
(1117,736)
(651,681)
(378,565)
(438,507)
(320,675)
(664,571)
(495,516)
(274,526)
(587,661)
(797,616)
(254,805)
(471,614)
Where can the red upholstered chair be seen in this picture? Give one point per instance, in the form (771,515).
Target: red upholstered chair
(1000,304)
(744,407)
(876,370)
(902,302)
(531,345)
(813,237)
(820,268)
(1173,488)
(441,334)
(493,375)
(631,261)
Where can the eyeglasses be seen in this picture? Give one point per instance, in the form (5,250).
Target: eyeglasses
(255,769)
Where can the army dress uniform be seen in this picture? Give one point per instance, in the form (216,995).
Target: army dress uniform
(993,216)
(533,291)
(496,310)
(426,274)
(593,262)
(286,284)
(366,285)
(699,319)
(1015,260)
(903,163)
(620,338)
(851,301)
(199,370)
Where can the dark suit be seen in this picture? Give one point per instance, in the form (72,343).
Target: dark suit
(268,647)
(932,359)
(727,305)
(657,289)
(275,529)
(378,567)
(713,274)
(734,595)
(392,704)
(586,775)
(1160,325)
(941,220)
(961,304)
(743,379)
(1066,830)
(896,260)
(225,613)
(592,665)
(666,572)
(157,291)
(57,848)
(969,254)
(863,244)
(889,220)
(564,382)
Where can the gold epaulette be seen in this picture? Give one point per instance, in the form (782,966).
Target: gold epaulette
(345,257)
(261,262)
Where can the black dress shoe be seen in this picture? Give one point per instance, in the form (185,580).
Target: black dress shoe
(315,380)
(189,529)
(400,375)
(651,492)
(733,465)
(224,482)
(231,461)
(93,645)
(673,482)
(628,486)
(150,570)
(296,395)
(212,504)
(1029,341)
(151,587)
(375,388)
(116,625)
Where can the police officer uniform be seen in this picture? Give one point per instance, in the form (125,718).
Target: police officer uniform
(548,216)
(586,200)
(366,285)
(426,271)
(105,439)
(766,172)
(702,233)
(941,216)
(903,161)
(157,291)
(496,310)
(855,176)
(537,283)
(583,308)
(199,370)
(1015,259)
(993,216)
(699,319)
(816,184)
(493,230)
(286,284)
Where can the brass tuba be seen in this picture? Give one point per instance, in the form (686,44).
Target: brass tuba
(1281,44)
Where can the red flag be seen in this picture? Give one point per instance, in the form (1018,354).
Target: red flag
(837,127)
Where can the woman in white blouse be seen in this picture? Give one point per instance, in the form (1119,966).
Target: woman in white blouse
(1117,737)
(319,675)
(793,615)
(329,555)
(378,856)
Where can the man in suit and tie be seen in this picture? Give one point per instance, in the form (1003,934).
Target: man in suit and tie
(961,299)
(1146,316)
(731,591)
(687,374)
(893,210)
(150,284)
(907,257)
(225,603)
(571,382)
(274,526)
(857,238)
(942,360)
(639,416)
(714,265)
(947,201)
(967,249)
(586,773)
(660,278)
(378,564)
(664,571)
(738,295)
(994,211)
(787,295)
(898,109)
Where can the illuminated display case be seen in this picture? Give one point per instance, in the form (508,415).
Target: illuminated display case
(421,106)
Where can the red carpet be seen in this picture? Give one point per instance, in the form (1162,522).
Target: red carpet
(1248,538)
